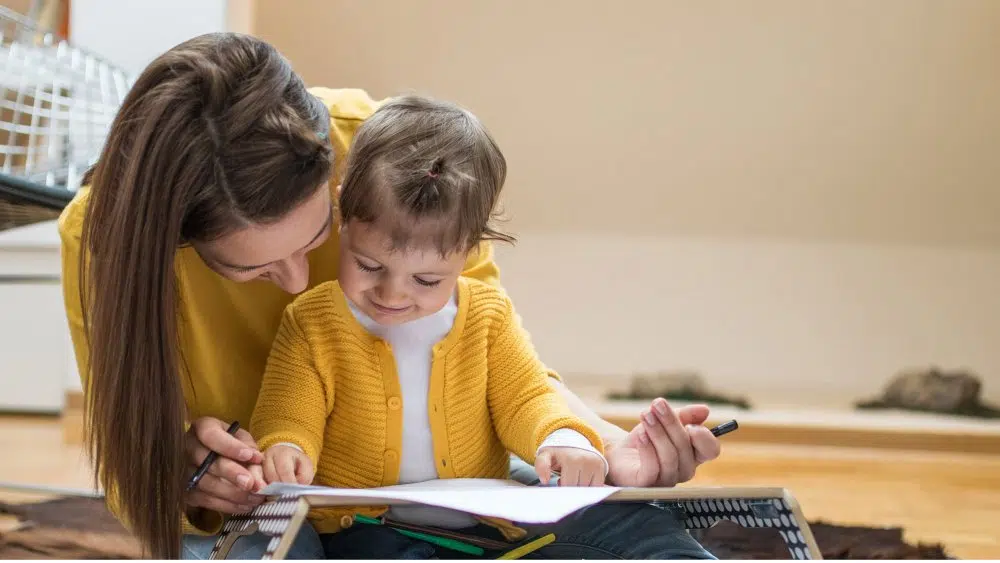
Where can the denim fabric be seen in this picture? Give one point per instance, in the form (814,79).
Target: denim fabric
(605,531)
(619,531)
(305,546)
(613,530)
(365,541)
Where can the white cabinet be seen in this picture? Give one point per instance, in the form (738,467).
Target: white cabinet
(35,349)
(32,346)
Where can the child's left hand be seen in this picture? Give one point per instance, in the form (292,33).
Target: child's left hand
(576,467)
(287,464)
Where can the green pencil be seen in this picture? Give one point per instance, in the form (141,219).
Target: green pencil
(447,543)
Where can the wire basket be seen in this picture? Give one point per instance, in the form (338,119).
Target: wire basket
(57,102)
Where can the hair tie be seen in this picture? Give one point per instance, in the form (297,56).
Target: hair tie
(435,168)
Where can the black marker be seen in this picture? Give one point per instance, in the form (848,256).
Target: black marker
(725,428)
(209,459)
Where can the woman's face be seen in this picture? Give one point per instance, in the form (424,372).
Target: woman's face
(276,252)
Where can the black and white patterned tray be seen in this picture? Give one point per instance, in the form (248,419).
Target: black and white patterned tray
(774,513)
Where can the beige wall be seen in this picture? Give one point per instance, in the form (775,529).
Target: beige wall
(802,196)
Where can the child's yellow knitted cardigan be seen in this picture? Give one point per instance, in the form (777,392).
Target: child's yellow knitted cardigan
(331,388)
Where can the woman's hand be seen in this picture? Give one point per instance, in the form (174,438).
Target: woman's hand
(664,449)
(228,485)
(576,467)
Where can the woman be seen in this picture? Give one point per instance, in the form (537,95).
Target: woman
(208,210)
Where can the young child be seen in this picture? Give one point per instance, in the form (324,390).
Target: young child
(402,371)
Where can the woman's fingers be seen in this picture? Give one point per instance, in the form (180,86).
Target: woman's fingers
(233,472)
(662,445)
(218,494)
(222,467)
(245,437)
(706,445)
(208,434)
(678,437)
(214,486)
(211,434)
(202,500)
(692,414)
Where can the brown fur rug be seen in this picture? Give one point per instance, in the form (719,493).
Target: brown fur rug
(82,528)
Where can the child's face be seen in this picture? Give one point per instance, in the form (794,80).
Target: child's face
(393,287)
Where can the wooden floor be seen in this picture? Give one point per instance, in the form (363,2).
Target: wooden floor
(952,499)
(34,453)
(949,498)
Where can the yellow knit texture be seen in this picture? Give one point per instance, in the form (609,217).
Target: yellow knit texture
(331,388)
(226,329)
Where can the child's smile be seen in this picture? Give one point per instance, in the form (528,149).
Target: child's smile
(391,311)
(394,286)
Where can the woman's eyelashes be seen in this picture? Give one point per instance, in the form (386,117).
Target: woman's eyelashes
(245,269)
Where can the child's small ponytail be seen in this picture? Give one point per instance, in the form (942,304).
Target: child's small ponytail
(428,195)
(429,172)
(435,169)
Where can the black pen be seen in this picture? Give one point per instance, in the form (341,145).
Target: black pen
(210,459)
(725,428)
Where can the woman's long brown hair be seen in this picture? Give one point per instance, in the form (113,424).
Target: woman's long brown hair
(216,134)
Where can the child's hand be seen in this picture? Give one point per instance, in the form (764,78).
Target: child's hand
(576,467)
(285,464)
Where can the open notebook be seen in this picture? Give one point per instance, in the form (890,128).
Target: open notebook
(484,497)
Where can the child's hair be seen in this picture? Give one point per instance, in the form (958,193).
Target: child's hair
(428,172)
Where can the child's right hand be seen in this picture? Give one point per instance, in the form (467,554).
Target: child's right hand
(285,464)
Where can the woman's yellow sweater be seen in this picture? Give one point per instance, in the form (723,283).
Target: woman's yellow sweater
(331,387)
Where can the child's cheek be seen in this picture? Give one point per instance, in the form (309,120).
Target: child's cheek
(438,297)
(351,282)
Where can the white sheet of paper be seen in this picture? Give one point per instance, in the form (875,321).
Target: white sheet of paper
(484,497)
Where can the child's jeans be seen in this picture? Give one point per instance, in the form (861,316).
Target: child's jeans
(306,546)
(622,531)
(604,531)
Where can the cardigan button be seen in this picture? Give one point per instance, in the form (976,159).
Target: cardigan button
(394,403)
(346,521)
(390,455)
